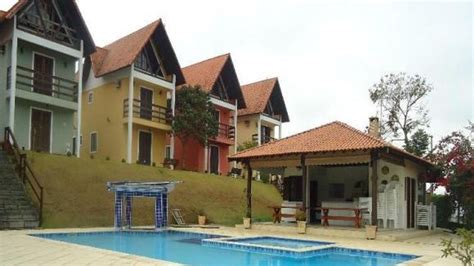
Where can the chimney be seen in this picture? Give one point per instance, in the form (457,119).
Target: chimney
(374,127)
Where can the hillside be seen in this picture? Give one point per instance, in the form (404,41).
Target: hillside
(76,195)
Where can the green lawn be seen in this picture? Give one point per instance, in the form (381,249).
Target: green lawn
(76,195)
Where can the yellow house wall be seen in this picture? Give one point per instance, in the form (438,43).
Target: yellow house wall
(245,131)
(105,116)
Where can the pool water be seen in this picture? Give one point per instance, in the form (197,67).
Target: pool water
(187,248)
(280,242)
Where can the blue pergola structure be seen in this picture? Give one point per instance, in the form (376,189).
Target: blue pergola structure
(125,191)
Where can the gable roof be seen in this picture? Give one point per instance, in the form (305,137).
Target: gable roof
(258,94)
(71,13)
(331,137)
(206,73)
(123,52)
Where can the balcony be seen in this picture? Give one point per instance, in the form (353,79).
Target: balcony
(225,134)
(146,76)
(37,86)
(48,29)
(263,139)
(153,115)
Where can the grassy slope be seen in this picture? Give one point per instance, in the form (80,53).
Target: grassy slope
(76,196)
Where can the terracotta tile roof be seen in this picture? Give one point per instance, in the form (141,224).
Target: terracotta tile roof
(13,10)
(205,73)
(335,136)
(122,53)
(256,96)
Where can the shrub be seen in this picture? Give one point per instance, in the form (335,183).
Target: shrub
(124,161)
(444,210)
(107,158)
(464,250)
(91,156)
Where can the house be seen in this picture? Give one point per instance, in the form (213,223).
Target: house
(265,111)
(42,46)
(338,166)
(128,101)
(216,76)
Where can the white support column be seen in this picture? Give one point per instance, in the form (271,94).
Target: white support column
(130,116)
(259,130)
(206,154)
(235,130)
(173,104)
(279,129)
(79,103)
(13,66)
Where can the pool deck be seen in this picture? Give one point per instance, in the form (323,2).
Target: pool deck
(17,247)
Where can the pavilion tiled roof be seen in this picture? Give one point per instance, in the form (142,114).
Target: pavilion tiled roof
(256,96)
(205,73)
(331,137)
(122,52)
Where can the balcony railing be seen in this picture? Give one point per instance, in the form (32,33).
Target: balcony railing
(226,131)
(31,80)
(155,113)
(48,29)
(264,139)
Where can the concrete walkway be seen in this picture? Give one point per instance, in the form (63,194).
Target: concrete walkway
(18,248)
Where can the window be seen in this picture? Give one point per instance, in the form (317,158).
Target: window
(269,108)
(168,152)
(336,191)
(149,62)
(220,90)
(293,188)
(90,97)
(93,142)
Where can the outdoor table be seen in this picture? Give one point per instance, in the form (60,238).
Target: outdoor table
(356,218)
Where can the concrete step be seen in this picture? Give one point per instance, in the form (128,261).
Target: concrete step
(19,224)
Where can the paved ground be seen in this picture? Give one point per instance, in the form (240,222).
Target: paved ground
(16,247)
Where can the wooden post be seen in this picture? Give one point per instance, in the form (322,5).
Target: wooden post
(249,189)
(373,159)
(304,175)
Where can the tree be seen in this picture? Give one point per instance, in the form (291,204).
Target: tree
(418,143)
(400,98)
(454,157)
(194,117)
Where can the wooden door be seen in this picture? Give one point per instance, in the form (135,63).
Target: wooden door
(146,103)
(144,148)
(40,130)
(43,75)
(313,199)
(214,160)
(410,197)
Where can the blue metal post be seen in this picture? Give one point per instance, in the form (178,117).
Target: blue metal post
(128,211)
(158,211)
(118,211)
(165,209)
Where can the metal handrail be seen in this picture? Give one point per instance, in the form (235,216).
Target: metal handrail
(24,169)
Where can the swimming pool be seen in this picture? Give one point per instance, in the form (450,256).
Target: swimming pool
(188,248)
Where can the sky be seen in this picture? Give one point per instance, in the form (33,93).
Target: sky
(326,54)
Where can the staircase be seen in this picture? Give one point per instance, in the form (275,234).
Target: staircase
(16,209)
